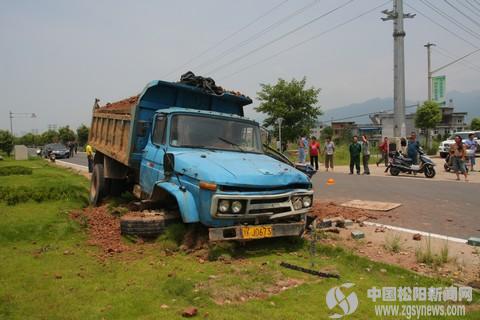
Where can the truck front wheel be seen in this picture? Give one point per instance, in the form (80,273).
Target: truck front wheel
(97,185)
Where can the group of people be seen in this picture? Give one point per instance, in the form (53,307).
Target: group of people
(313,148)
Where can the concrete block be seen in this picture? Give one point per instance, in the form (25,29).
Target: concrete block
(324,223)
(474,241)
(356,234)
(348,223)
(21,152)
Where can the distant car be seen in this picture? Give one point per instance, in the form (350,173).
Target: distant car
(444,147)
(58,149)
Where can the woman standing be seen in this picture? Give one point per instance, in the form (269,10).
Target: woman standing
(313,150)
(329,150)
(458,153)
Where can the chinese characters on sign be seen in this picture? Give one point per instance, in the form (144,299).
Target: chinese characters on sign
(432,294)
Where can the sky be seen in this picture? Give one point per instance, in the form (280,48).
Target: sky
(56,57)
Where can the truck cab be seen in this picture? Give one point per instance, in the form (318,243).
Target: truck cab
(207,162)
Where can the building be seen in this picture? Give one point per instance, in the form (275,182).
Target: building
(341,128)
(451,122)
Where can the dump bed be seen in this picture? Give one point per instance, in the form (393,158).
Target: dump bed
(120,130)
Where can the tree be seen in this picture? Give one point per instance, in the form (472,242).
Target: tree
(82,134)
(326,132)
(427,117)
(475,124)
(292,102)
(49,136)
(6,142)
(65,134)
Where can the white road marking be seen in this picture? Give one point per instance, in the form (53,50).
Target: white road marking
(69,164)
(412,231)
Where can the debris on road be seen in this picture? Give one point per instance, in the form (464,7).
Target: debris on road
(309,271)
(474,241)
(189,312)
(356,234)
(417,237)
(371,205)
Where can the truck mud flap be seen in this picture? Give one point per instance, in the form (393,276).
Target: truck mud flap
(237,233)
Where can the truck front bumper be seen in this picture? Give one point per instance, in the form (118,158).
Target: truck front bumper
(264,231)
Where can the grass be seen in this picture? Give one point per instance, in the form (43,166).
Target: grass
(48,271)
(393,243)
(427,256)
(341,157)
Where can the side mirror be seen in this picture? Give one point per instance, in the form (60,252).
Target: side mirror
(168,164)
(307,169)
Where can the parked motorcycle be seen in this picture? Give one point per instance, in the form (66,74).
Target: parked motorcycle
(399,163)
(51,156)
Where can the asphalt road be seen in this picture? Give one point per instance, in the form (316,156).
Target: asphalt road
(426,205)
(79,159)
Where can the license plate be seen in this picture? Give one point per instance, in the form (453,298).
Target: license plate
(257,232)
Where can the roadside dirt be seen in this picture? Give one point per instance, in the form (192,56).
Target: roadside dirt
(463,265)
(103,229)
(332,210)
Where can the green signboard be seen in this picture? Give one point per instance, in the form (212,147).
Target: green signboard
(438,88)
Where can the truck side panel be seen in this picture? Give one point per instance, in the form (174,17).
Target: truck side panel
(110,134)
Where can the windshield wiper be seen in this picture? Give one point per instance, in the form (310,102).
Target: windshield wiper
(198,146)
(232,143)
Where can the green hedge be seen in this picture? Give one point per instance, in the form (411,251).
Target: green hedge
(15,170)
(14,195)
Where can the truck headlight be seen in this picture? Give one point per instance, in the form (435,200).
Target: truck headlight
(223,206)
(307,201)
(297,203)
(236,206)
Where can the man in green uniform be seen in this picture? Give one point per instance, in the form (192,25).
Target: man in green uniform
(355,149)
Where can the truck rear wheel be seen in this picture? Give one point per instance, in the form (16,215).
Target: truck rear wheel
(97,185)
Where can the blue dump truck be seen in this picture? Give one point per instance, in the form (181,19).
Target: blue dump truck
(179,146)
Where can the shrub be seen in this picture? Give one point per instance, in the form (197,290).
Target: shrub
(15,195)
(15,170)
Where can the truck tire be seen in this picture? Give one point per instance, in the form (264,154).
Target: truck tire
(97,185)
(144,226)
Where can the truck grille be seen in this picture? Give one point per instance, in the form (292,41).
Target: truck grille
(260,205)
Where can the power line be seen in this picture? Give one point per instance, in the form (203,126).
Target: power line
(227,37)
(280,37)
(471,8)
(367,114)
(462,13)
(451,19)
(441,26)
(255,36)
(466,63)
(303,42)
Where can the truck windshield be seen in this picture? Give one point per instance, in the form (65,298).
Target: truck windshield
(214,133)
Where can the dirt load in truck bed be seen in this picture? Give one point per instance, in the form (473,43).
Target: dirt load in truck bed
(122,106)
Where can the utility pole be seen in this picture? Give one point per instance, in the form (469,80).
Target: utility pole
(397,16)
(19,115)
(279,121)
(429,72)
(11,121)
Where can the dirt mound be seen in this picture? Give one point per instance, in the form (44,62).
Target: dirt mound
(332,210)
(122,106)
(103,229)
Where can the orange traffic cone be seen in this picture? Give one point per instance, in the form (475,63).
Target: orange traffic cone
(330,182)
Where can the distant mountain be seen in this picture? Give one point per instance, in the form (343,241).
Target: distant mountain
(466,102)
(463,101)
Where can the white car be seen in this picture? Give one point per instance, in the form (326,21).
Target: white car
(444,147)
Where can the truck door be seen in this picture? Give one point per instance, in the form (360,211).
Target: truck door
(151,169)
